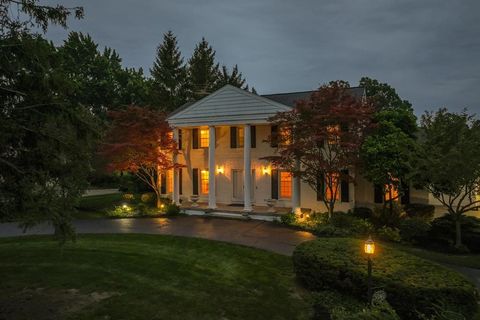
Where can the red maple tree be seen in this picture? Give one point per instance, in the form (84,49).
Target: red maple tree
(140,141)
(319,140)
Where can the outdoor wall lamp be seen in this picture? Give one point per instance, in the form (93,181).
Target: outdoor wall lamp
(220,170)
(266,170)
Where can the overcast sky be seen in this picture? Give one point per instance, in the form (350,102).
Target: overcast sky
(429,50)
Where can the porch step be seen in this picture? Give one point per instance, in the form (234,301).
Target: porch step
(223,214)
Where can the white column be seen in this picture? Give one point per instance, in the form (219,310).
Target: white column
(247,169)
(296,192)
(176,184)
(212,201)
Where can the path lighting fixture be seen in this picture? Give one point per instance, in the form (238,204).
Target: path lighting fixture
(369,249)
(220,170)
(124,207)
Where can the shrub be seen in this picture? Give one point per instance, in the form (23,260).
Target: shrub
(377,312)
(128,196)
(414,230)
(383,217)
(442,232)
(362,212)
(389,234)
(288,219)
(147,197)
(324,302)
(412,284)
(420,211)
(172,209)
(121,211)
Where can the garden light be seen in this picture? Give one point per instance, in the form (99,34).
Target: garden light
(369,249)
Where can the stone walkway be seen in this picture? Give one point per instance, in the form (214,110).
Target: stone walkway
(258,234)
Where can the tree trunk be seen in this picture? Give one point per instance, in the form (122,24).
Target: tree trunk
(458,233)
(331,207)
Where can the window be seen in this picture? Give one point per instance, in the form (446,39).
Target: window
(333,133)
(240,137)
(329,193)
(204,181)
(204,138)
(391,192)
(285,136)
(285,184)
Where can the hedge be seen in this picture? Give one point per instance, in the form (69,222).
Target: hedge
(413,285)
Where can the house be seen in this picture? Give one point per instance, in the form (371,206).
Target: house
(222,137)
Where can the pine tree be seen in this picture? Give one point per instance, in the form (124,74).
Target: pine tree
(235,78)
(169,75)
(203,72)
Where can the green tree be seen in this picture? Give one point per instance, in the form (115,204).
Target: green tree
(449,163)
(169,75)
(203,71)
(100,82)
(46,139)
(234,78)
(388,152)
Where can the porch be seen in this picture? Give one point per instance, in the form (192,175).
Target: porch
(235,211)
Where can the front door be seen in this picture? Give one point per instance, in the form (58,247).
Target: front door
(237,179)
(238,187)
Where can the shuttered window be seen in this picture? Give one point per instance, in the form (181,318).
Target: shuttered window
(204,181)
(274,136)
(204,137)
(237,137)
(163,183)
(180,181)
(195,181)
(320,187)
(195,138)
(285,185)
(274,178)
(344,188)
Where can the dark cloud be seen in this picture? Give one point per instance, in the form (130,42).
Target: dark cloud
(428,50)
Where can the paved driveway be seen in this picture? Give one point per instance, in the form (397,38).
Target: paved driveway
(258,234)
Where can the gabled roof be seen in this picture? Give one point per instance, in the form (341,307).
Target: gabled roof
(228,105)
(290,98)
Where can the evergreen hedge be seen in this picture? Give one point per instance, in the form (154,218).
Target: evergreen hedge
(413,285)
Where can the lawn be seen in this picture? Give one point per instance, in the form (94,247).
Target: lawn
(145,277)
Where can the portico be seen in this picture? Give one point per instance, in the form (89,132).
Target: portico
(235,124)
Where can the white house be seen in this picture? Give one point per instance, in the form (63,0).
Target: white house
(222,140)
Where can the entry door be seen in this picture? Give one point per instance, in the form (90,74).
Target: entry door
(238,187)
(237,179)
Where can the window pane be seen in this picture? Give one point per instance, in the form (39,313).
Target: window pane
(285,184)
(203,138)
(391,192)
(329,192)
(204,181)
(240,138)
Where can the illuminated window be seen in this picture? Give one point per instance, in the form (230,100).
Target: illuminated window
(329,192)
(240,137)
(203,138)
(286,138)
(285,184)
(391,192)
(204,181)
(333,134)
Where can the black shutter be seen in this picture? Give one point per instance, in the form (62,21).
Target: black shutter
(253,139)
(180,181)
(195,138)
(163,183)
(179,139)
(274,184)
(274,136)
(320,187)
(378,194)
(344,188)
(405,199)
(233,137)
(195,181)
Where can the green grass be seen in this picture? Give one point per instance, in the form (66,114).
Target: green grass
(156,277)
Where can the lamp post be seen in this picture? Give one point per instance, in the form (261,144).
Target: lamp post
(369,249)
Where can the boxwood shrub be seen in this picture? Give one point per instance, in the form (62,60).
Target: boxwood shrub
(413,285)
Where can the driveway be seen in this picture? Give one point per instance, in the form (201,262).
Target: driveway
(253,233)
